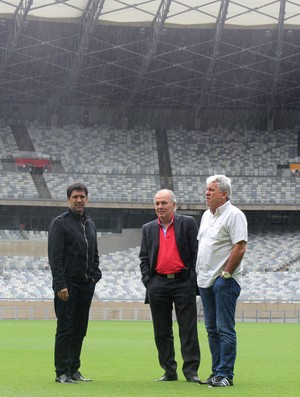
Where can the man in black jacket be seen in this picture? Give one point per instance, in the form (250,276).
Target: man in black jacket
(74,261)
(168,257)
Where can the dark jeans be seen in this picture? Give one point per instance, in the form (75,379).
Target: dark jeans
(219,305)
(72,322)
(163,293)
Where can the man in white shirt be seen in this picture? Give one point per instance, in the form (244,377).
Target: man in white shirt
(222,240)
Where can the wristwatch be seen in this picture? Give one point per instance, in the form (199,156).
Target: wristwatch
(225,275)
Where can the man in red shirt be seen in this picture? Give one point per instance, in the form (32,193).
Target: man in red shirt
(168,257)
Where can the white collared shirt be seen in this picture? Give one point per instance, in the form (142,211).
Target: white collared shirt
(217,235)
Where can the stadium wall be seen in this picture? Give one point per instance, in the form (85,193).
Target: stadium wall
(138,311)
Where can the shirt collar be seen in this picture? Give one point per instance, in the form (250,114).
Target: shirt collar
(222,208)
(172,221)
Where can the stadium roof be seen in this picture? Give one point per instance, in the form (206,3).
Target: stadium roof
(188,12)
(187,54)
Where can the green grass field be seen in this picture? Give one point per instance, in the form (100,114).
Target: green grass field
(122,360)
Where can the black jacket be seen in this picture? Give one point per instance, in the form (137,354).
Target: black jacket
(73,250)
(186,239)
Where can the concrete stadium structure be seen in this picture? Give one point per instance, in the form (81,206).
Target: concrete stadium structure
(137,96)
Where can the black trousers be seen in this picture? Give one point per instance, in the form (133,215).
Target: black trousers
(72,322)
(163,295)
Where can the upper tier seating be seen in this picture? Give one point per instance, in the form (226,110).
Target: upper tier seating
(236,153)
(123,166)
(106,187)
(17,186)
(250,158)
(99,150)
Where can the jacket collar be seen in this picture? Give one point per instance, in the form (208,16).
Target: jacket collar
(78,217)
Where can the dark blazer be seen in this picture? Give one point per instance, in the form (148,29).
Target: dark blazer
(186,231)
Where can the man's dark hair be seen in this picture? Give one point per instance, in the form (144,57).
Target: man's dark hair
(77,186)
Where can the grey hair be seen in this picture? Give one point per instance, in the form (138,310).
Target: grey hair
(171,193)
(223,182)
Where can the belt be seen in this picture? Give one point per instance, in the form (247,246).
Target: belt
(173,275)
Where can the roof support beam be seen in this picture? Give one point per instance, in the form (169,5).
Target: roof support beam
(19,18)
(278,57)
(215,53)
(158,25)
(89,20)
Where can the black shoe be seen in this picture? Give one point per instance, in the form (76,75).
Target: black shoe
(167,378)
(194,379)
(221,381)
(78,376)
(64,379)
(209,380)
